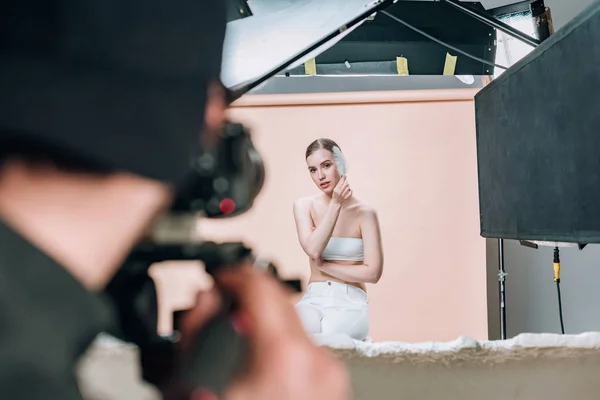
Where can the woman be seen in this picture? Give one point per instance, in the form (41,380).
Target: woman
(342,239)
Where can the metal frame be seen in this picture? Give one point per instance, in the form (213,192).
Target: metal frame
(241,89)
(491,21)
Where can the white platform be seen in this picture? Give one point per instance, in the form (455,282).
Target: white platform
(528,367)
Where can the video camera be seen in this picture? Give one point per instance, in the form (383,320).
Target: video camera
(223,182)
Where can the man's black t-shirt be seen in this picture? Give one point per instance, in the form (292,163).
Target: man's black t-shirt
(47,321)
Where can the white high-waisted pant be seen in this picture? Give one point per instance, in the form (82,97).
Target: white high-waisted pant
(335,308)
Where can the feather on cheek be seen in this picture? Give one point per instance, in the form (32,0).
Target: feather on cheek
(340,161)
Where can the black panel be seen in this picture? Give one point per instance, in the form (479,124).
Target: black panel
(384,39)
(237,9)
(538,141)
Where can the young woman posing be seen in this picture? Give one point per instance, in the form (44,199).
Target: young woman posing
(341,236)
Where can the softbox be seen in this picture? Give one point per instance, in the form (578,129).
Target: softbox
(281,37)
(538,141)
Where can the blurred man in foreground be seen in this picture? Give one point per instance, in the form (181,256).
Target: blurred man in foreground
(101,104)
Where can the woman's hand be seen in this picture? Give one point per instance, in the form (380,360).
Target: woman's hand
(342,191)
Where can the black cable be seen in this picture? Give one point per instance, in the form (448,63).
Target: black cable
(481,60)
(560,313)
(557,280)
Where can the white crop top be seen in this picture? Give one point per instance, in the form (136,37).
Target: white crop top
(343,249)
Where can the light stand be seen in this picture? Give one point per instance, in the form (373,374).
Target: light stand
(501,279)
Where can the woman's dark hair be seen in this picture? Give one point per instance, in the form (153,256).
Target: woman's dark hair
(321,143)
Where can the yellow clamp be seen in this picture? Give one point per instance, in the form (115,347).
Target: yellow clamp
(310,67)
(450,64)
(402,66)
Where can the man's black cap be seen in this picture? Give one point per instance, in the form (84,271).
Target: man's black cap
(121,83)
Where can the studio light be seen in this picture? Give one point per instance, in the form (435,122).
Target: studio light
(279,38)
(538,157)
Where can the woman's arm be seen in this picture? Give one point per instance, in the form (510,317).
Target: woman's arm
(313,242)
(372,268)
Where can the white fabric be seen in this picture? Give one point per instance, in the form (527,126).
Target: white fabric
(343,249)
(257,45)
(334,308)
(110,368)
(369,348)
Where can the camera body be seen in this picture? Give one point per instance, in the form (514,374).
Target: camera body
(224,180)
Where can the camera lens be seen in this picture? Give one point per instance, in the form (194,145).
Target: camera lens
(224,181)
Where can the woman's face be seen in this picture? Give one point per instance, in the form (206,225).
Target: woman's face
(323,170)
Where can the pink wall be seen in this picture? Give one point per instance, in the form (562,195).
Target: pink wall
(412,156)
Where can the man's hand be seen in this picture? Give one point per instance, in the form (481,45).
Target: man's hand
(281,362)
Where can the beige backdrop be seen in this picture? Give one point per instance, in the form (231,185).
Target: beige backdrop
(412,156)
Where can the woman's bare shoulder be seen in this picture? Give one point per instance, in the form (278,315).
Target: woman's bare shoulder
(305,201)
(364,209)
